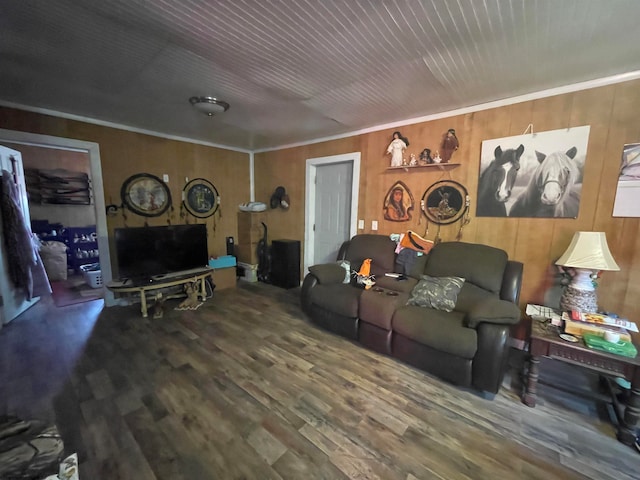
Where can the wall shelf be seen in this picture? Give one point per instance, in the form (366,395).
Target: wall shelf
(431,166)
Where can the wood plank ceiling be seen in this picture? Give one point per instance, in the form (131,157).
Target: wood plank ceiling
(295,71)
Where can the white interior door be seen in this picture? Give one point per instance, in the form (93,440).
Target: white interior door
(14,301)
(332,188)
(333,210)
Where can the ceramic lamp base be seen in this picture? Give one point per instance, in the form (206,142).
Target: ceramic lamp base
(579,300)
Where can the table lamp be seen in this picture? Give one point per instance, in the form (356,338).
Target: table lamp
(588,253)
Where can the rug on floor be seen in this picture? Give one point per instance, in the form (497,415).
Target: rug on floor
(73,290)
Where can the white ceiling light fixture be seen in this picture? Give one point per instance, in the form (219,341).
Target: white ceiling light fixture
(209,105)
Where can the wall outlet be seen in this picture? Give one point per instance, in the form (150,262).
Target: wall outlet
(374,225)
(165,178)
(361,224)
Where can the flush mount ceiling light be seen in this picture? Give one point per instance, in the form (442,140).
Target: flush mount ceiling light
(209,105)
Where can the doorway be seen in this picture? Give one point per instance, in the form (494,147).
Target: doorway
(93,151)
(332,186)
(19,289)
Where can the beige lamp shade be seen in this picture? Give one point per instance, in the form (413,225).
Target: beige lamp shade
(588,250)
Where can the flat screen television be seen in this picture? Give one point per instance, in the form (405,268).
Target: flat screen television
(144,252)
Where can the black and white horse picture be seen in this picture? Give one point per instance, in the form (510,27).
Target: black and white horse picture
(533,175)
(551,192)
(496,182)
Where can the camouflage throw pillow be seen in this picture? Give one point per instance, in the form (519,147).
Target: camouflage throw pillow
(440,293)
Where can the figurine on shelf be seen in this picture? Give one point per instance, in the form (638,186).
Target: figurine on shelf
(449,145)
(437,158)
(414,160)
(396,148)
(425,157)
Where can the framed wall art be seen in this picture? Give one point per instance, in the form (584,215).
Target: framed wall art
(398,203)
(627,202)
(200,198)
(533,175)
(146,195)
(445,202)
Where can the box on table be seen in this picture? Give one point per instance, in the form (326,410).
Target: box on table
(224,261)
(248,272)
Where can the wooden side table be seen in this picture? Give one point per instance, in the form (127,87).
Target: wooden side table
(546,342)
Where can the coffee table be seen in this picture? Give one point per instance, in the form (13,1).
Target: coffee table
(158,282)
(545,342)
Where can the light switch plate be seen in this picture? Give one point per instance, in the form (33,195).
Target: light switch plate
(165,178)
(374,225)
(361,224)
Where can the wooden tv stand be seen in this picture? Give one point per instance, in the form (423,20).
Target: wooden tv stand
(163,281)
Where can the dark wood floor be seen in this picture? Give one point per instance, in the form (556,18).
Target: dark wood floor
(246,388)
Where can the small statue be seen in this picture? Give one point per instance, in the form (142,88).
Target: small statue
(414,160)
(363,276)
(437,158)
(191,302)
(449,145)
(425,157)
(396,148)
(158,306)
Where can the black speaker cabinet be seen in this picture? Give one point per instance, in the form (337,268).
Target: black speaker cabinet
(285,263)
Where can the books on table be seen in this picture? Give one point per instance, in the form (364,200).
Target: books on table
(592,327)
(604,320)
(580,328)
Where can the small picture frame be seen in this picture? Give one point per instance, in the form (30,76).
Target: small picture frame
(200,198)
(145,195)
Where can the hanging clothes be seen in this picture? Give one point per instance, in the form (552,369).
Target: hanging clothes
(26,270)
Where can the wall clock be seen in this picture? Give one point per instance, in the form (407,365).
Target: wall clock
(200,198)
(146,195)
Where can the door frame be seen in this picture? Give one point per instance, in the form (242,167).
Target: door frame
(93,150)
(310,187)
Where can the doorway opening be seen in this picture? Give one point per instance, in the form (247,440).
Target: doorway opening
(332,191)
(92,150)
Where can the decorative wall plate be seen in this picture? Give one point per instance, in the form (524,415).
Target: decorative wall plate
(445,202)
(200,198)
(146,195)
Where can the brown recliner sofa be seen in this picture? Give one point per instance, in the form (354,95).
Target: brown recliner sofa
(467,346)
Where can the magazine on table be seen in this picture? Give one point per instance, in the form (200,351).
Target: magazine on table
(602,319)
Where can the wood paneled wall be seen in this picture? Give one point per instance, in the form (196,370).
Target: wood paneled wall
(125,153)
(612,113)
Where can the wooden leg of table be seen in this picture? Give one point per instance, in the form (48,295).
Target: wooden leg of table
(530,395)
(143,304)
(203,289)
(627,428)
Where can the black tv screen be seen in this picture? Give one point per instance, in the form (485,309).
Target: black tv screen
(147,251)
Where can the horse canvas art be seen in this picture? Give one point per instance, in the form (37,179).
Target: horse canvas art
(552,190)
(497,181)
(533,174)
